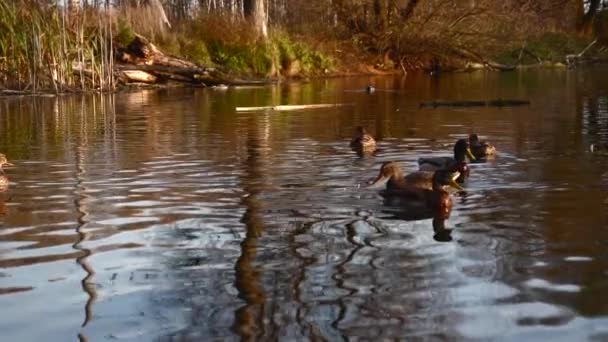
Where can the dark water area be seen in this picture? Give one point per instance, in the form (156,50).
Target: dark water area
(167,215)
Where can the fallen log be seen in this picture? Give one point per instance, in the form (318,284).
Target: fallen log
(507,103)
(290,107)
(571,60)
(500,66)
(162,68)
(143,56)
(483,61)
(490,103)
(139,76)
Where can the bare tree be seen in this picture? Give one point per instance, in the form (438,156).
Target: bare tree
(255,10)
(586,20)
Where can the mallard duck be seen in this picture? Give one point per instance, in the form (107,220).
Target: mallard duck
(391,174)
(3,178)
(418,203)
(456,163)
(363,140)
(480,149)
(397,183)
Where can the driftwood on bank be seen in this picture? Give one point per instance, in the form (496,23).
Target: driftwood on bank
(483,61)
(490,103)
(142,62)
(140,76)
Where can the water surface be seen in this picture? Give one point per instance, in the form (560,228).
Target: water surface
(166,215)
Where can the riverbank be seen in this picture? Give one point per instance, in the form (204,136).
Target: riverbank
(53,50)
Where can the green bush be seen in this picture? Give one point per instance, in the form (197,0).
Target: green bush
(125,34)
(312,61)
(196,51)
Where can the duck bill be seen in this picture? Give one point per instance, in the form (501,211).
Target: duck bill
(7,164)
(470,154)
(380,180)
(453,184)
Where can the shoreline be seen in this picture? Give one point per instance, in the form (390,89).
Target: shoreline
(11,93)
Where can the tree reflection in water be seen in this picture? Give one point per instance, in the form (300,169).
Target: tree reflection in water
(249,317)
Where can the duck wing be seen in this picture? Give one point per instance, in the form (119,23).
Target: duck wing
(434,163)
(420,179)
(483,150)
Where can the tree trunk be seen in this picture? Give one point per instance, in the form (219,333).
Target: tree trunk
(407,12)
(158,7)
(381,13)
(586,22)
(255,11)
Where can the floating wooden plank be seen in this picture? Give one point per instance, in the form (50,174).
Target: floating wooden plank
(491,103)
(289,107)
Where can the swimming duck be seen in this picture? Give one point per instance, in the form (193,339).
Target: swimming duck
(3,178)
(370,89)
(363,140)
(418,203)
(481,149)
(397,183)
(456,163)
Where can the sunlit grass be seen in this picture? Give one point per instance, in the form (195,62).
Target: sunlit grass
(47,48)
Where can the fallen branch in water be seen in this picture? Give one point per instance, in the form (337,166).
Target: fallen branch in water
(571,60)
(491,103)
(290,107)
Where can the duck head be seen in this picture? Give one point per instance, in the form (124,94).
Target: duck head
(360,131)
(462,149)
(443,178)
(473,139)
(4,161)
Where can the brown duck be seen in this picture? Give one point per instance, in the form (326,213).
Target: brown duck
(398,184)
(363,140)
(3,178)
(481,149)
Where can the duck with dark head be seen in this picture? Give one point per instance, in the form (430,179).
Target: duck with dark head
(3,178)
(456,163)
(481,149)
(363,141)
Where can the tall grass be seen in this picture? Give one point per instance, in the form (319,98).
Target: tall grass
(46,47)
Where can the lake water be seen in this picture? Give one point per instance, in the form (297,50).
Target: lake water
(167,215)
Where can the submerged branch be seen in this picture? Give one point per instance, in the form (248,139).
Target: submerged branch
(490,103)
